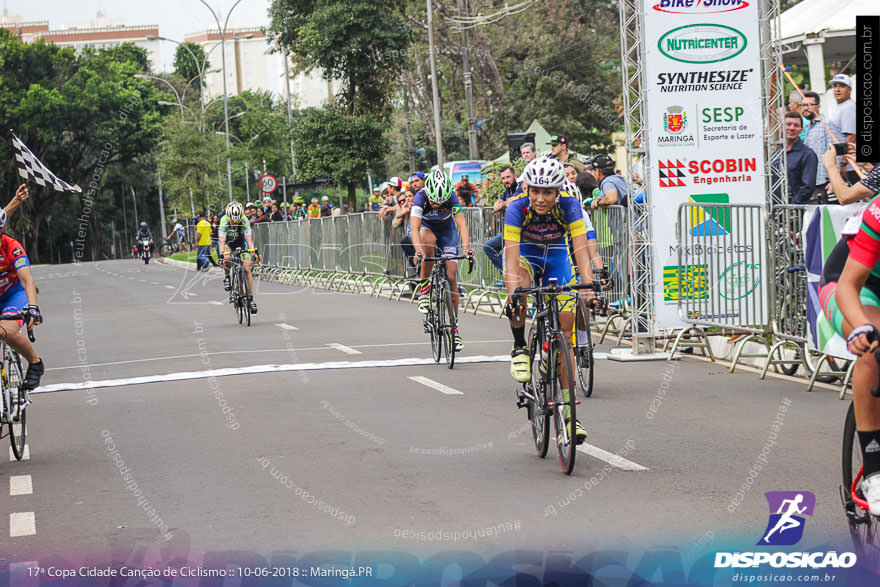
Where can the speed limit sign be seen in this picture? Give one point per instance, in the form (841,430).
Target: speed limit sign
(268,184)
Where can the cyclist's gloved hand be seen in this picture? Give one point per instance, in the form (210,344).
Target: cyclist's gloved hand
(34,311)
(863,339)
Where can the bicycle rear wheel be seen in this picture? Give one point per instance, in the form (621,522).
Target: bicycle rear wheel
(563,406)
(863,527)
(14,378)
(583,353)
(236,295)
(447,317)
(539,414)
(166,249)
(245,296)
(432,324)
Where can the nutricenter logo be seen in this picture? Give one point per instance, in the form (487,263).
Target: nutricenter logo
(699,6)
(702,43)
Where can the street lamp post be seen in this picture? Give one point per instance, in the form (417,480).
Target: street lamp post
(199,69)
(225,96)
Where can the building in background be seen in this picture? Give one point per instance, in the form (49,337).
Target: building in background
(251,65)
(97,34)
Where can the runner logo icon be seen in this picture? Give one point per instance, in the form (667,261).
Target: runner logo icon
(787,510)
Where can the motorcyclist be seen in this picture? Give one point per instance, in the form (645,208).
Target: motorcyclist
(144,233)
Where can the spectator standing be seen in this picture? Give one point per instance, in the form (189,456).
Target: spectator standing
(527,151)
(314,210)
(559,150)
(612,186)
(819,139)
(276,215)
(299,210)
(395,187)
(845,115)
(467,192)
(404,202)
(215,239)
(417,181)
(203,244)
(795,105)
(374,204)
(802,162)
(512,189)
(260,216)
(326,207)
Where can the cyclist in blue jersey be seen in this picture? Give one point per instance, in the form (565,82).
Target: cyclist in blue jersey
(537,229)
(436,220)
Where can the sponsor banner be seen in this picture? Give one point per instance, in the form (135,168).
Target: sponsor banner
(705,135)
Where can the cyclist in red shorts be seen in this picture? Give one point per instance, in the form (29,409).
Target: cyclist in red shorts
(849,293)
(17,292)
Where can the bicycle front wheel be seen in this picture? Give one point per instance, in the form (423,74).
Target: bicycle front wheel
(449,322)
(539,414)
(245,296)
(432,324)
(863,527)
(14,379)
(562,399)
(583,353)
(166,249)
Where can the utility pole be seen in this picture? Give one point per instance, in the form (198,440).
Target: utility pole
(162,208)
(409,138)
(473,152)
(434,89)
(289,115)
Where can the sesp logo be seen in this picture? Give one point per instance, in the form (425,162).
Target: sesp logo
(699,6)
(787,510)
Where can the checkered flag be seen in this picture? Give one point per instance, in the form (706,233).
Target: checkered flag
(29,167)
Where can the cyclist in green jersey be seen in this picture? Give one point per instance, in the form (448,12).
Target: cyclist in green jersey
(235,232)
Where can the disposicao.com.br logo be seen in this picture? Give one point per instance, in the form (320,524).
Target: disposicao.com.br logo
(785,527)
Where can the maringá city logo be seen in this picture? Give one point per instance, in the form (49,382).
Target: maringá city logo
(675,119)
(702,43)
(787,510)
(699,6)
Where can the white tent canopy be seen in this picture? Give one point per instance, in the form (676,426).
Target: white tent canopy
(813,32)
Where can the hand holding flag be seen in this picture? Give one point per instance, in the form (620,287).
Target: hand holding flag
(30,168)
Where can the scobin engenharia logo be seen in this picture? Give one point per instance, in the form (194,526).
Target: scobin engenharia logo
(785,527)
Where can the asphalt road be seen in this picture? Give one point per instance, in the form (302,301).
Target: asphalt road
(248,462)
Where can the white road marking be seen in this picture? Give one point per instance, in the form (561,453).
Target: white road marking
(345,349)
(25,457)
(169,286)
(216,303)
(611,458)
(434,385)
(155,282)
(253,369)
(22,524)
(20,485)
(286,326)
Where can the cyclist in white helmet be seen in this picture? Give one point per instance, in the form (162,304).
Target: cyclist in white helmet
(436,220)
(235,232)
(537,229)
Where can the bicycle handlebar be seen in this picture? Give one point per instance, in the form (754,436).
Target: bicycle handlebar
(444,259)
(24,315)
(556,289)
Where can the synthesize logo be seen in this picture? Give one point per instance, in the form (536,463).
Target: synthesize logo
(672,173)
(702,43)
(709,221)
(787,510)
(699,6)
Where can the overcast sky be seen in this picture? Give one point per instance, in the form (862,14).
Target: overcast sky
(175,18)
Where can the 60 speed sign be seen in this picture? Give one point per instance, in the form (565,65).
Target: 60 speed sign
(268,184)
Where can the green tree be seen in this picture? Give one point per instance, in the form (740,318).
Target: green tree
(184,64)
(82,115)
(363,45)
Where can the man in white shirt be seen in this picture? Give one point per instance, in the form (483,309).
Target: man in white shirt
(845,116)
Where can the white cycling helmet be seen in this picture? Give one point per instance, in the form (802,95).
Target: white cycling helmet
(234,211)
(2,218)
(571,189)
(544,172)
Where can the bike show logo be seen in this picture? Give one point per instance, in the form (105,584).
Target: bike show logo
(785,527)
(699,6)
(702,43)
(685,282)
(675,122)
(740,280)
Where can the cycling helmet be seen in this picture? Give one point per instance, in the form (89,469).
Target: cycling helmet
(547,154)
(2,218)
(438,187)
(143,224)
(299,201)
(544,172)
(571,188)
(234,211)
(396,182)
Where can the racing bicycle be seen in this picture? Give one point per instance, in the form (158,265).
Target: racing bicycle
(864,528)
(240,292)
(13,399)
(551,373)
(441,320)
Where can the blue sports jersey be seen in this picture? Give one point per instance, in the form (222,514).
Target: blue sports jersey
(522,224)
(435,217)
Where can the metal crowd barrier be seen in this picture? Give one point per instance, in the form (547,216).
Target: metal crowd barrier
(721,266)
